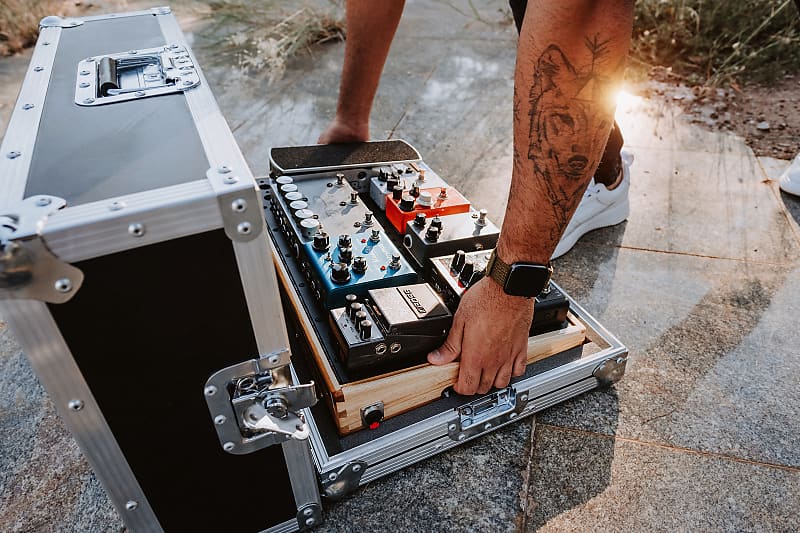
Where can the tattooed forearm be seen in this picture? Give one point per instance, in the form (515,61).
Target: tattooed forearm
(569,124)
(569,58)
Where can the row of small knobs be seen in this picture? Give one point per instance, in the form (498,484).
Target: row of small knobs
(356,312)
(465,268)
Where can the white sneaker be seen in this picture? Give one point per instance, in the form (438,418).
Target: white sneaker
(790,179)
(599,208)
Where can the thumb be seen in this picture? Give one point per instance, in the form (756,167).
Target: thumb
(451,349)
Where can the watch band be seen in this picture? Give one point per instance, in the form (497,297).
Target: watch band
(497,269)
(502,273)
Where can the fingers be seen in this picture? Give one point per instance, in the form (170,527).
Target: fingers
(451,349)
(469,379)
(520,363)
(504,375)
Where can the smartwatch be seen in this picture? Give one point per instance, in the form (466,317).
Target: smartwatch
(519,279)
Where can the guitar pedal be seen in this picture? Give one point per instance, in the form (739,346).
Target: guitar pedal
(397,325)
(452,275)
(438,236)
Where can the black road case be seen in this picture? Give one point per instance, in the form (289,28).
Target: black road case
(137,273)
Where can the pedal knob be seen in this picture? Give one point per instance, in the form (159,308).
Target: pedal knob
(437,223)
(395,263)
(365,328)
(425,199)
(309,227)
(350,298)
(481,217)
(298,204)
(361,315)
(359,264)
(458,261)
(289,187)
(466,271)
(376,235)
(293,196)
(419,220)
(397,192)
(432,234)
(340,180)
(302,214)
(475,278)
(321,241)
(354,308)
(415,191)
(443,193)
(345,241)
(284,180)
(340,273)
(354,197)
(367,219)
(407,203)
(345,254)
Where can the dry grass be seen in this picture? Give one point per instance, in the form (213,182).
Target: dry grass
(19,22)
(715,42)
(263,36)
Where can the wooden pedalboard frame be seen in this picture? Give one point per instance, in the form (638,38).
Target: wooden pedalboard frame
(407,389)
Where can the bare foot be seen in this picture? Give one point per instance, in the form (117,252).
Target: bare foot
(341,132)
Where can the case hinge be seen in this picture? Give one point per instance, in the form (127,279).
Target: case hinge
(486,413)
(309,516)
(28,268)
(338,483)
(252,409)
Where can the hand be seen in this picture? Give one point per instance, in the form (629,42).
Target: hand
(344,132)
(490,334)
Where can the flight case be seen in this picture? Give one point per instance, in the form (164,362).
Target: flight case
(138,275)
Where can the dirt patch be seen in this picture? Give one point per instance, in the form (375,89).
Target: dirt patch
(767,117)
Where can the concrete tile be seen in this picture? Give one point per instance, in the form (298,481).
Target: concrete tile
(455,19)
(12,72)
(709,204)
(45,482)
(657,123)
(713,364)
(580,482)
(475,487)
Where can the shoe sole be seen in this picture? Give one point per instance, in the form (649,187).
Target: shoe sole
(610,217)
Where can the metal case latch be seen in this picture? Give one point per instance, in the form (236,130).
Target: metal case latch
(486,413)
(251,409)
(28,269)
(134,74)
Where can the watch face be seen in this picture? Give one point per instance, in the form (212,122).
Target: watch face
(527,279)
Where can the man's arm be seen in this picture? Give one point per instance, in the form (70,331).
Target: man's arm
(570,57)
(371,27)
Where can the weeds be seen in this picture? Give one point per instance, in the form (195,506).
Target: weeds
(264,36)
(718,42)
(19,22)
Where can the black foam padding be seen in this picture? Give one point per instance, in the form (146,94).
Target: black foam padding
(295,158)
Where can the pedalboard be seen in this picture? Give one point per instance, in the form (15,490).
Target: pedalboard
(390,326)
(426,238)
(366,226)
(452,275)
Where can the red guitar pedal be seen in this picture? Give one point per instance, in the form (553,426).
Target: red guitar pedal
(403,206)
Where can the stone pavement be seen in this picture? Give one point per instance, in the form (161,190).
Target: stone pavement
(701,283)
